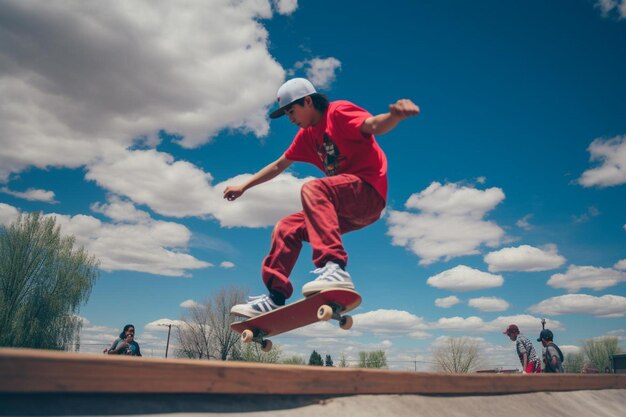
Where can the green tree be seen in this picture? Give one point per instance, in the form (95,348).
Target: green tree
(574,362)
(375,359)
(600,350)
(44,279)
(328,361)
(294,360)
(316,359)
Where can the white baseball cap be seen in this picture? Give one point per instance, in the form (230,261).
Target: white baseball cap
(290,91)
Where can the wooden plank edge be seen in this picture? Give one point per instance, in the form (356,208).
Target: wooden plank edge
(35,371)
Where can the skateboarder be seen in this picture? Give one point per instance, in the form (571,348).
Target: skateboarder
(525,350)
(338,138)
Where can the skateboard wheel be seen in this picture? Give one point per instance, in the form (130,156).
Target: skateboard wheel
(266,345)
(246,336)
(325,313)
(346,322)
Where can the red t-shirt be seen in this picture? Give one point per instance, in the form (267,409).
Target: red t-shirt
(336,146)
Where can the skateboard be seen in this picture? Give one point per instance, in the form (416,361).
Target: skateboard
(321,306)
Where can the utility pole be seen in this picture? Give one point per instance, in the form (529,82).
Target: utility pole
(167,346)
(169,330)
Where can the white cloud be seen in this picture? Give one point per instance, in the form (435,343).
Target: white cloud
(612,154)
(524,258)
(524,222)
(464,278)
(578,277)
(450,223)
(605,306)
(8,214)
(447,302)
(180,189)
(460,324)
(121,211)
(586,216)
(528,324)
(94,339)
(169,187)
(566,349)
(488,304)
(608,6)
(321,71)
(620,265)
(81,80)
(227,265)
(391,322)
(32,194)
(326,331)
(189,304)
(619,333)
(154,247)
(262,205)
(162,324)
(286,6)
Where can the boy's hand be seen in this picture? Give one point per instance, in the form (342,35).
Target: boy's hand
(233,192)
(404,108)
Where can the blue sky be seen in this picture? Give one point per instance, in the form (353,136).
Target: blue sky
(506,198)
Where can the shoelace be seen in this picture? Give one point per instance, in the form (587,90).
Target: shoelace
(324,272)
(257,298)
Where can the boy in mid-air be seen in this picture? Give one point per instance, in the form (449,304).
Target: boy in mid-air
(338,138)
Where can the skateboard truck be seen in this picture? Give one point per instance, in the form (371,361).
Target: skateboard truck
(257,336)
(332,311)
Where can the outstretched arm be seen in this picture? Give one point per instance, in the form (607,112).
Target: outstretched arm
(383,123)
(233,192)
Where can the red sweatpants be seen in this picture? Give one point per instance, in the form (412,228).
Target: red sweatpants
(533,368)
(331,206)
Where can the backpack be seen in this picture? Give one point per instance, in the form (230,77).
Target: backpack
(548,360)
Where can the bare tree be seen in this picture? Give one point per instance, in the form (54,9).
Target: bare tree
(343,361)
(457,355)
(206,332)
(251,352)
(220,319)
(194,335)
(600,350)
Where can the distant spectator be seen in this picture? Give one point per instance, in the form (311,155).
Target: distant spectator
(552,355)
(125,344)
(525,350)
(589,368)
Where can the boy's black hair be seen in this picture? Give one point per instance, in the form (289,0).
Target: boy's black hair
(123,334)
(320,102)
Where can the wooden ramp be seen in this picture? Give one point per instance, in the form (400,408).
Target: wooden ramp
(28,371)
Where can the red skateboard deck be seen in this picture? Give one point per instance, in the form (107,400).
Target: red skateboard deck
(322,306)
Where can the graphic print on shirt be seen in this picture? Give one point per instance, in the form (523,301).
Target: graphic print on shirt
(330,156)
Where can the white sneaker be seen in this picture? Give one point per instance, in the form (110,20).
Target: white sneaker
(256,305)
(330,276)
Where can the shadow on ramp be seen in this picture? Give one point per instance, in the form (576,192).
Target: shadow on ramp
(135,404)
